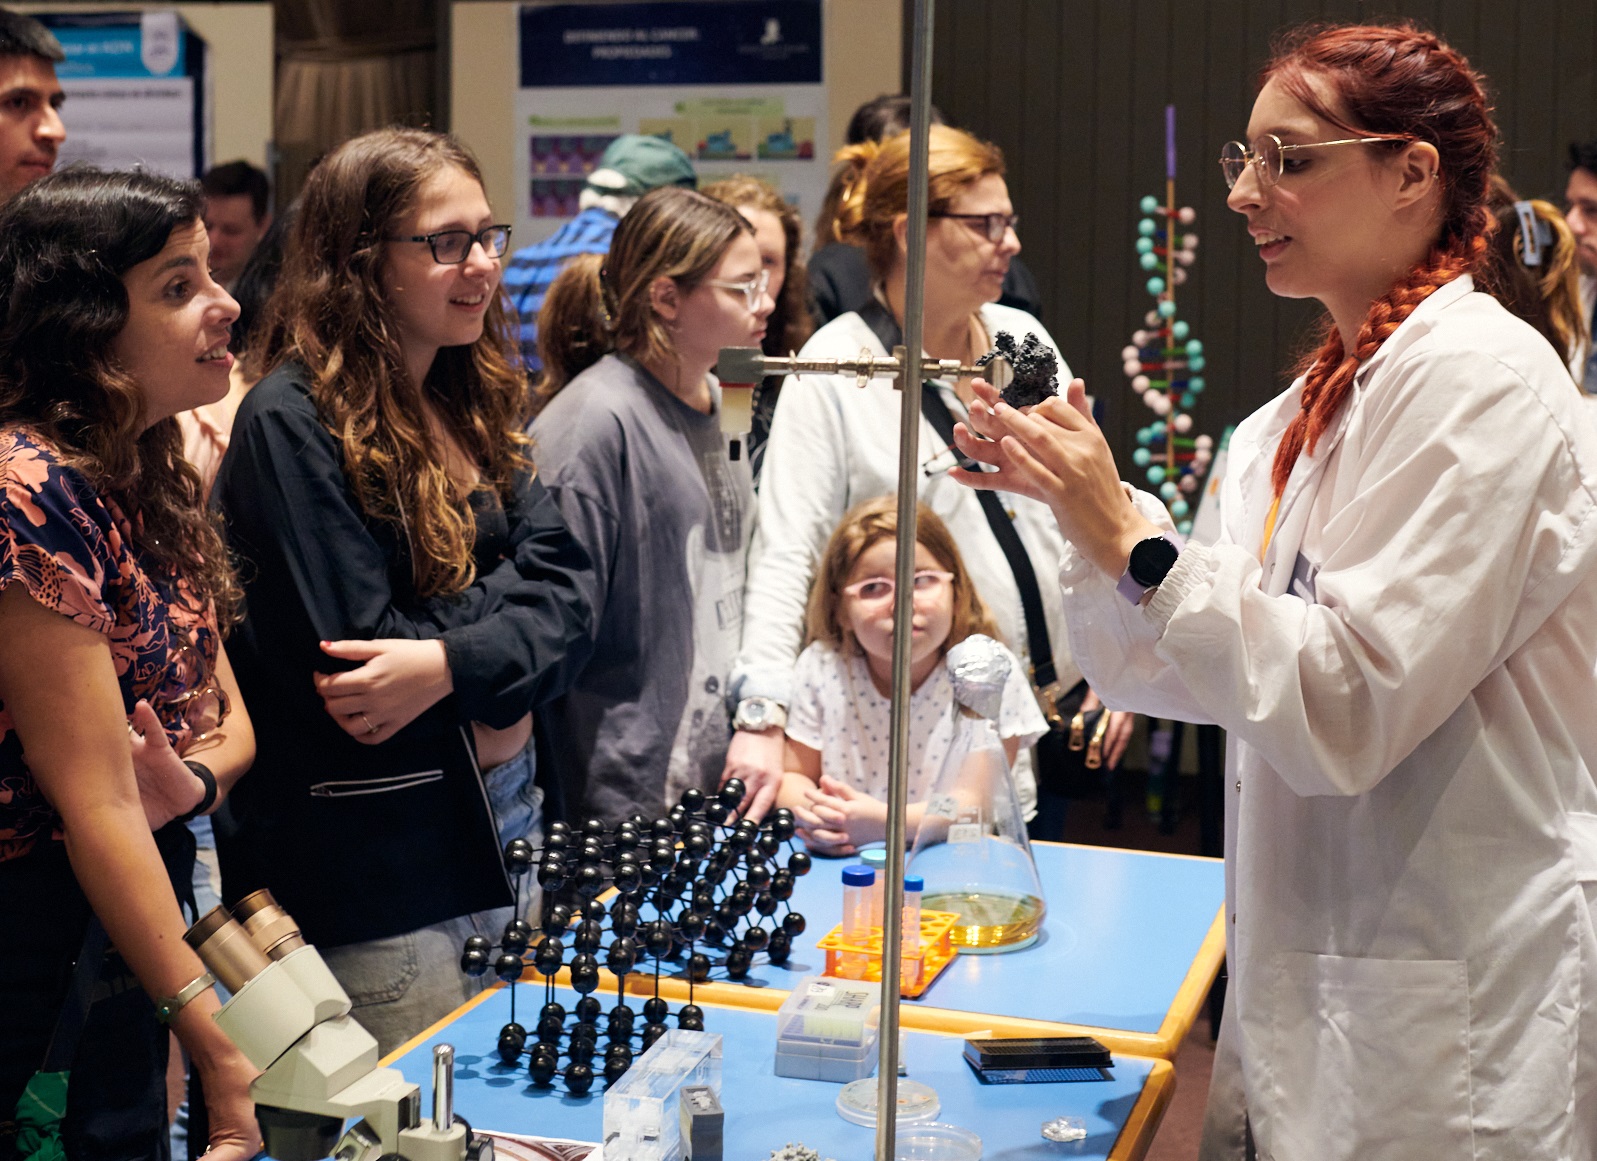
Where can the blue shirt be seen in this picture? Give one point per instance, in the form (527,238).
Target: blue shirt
(530,271)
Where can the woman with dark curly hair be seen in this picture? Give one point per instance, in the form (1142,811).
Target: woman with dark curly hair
(411,587)
(778,231)
(114,586)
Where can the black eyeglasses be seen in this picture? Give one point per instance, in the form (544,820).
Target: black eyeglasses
(452,247)
(995,226)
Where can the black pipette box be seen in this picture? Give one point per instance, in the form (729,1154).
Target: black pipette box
(1038,1059)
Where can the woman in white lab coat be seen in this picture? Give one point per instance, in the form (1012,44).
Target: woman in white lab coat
(1398,627)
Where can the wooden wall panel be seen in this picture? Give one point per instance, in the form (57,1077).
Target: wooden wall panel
(1074,92)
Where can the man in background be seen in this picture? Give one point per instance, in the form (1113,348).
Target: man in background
(31,131)
(237,214)
(628,169)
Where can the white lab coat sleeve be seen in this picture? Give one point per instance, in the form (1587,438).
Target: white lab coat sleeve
(1113,640)
(1461,516)
(803,492)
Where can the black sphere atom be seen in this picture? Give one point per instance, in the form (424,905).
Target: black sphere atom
(755,938)
(589,881)
(579,1078)
(518,856)
(732,793)
(698,967)
(628,877)
(556,919)
(657,938)
(516,936)
(550,1028)
(595,910)
(655,1010)
(584,972)
(544,1064)
(580,1050)
(615,1067)
(717,812)
(509,967)
(738,963)
(799,862)
(622,956)
(547,957)
(512,1039)
(782,823)
(551,875)
(588,936)
(779,948)
(651,1033)
(793,923)
(765,903)
(553,1008)
(474,961)
(587,1010)
(692,799)
(691,1018)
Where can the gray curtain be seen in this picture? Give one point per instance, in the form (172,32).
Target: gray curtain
(346,66)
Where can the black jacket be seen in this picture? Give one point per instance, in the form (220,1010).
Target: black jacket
(361,842)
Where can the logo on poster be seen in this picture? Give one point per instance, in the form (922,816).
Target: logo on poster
(158,42)
(773,32)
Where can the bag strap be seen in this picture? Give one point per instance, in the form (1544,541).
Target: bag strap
(1044,676)
(75,1009)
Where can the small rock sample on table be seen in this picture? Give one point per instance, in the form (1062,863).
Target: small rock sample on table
(1036,368)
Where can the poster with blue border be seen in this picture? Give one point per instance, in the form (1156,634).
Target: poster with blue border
(136,90)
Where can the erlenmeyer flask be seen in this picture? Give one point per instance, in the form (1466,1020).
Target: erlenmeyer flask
(971,845)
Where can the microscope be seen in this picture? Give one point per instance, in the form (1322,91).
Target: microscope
(319,1070)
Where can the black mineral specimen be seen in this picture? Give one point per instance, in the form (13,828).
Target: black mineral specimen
(1036,369)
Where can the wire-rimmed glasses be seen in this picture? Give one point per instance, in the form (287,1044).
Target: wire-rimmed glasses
(452,247)
(1268,155)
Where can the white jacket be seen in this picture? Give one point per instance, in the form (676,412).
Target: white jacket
(834,444)
(1409,686)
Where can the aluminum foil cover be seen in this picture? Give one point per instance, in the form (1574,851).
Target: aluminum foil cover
(979,667)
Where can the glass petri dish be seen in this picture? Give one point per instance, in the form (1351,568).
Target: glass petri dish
(916,1102)
(935,1141)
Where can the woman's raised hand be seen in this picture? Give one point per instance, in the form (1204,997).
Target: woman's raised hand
(1055,453)
(168,789)
(397,681)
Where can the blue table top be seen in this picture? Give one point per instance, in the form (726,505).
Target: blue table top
(765,1111)
(1121,934)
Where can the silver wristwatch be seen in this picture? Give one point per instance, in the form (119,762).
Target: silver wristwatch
(759,713)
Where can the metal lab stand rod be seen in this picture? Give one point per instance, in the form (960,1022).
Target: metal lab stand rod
(748,365)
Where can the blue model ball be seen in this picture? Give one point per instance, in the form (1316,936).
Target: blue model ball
(1195,347)
(1196,385)
(1142,457)
(1156,286)
(1149,261)
(1196,362)
(1185,528)
(1156,474)
(1168,491)
(1167,309)
(1178,508)
(1149,204)
(1147,228)
(1144,245)
(1179,330)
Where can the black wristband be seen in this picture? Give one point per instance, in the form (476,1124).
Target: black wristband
(203,773)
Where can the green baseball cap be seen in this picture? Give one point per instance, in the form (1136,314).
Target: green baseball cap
(635,164)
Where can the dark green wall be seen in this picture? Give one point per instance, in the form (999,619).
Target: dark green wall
(1074,91)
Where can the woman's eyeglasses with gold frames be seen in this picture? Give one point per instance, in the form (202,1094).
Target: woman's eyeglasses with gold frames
(1268,155)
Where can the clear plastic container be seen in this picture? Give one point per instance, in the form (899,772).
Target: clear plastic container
(827,1030)
(857,926)
(642,1116)
(876,859)
(916,1102)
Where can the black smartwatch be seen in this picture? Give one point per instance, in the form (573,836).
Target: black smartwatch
(1151,561)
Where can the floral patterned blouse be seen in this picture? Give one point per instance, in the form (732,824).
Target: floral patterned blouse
(73,551)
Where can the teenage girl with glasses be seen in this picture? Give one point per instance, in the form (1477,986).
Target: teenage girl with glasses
(630,444)
(1396,629)
(411,591)
(838,720)
(114,587)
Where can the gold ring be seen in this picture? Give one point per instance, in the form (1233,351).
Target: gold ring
(370,729)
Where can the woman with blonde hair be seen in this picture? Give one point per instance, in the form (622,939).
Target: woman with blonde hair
(631,447)
(411,591)
(1534,271)
(834,444)
(778,231)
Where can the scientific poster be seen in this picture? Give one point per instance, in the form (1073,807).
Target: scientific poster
(736,84)
(135,87)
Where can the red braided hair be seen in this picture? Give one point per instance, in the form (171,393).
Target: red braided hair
(1407,83)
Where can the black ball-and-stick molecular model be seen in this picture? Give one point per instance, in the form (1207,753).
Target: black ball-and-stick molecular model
(695,877)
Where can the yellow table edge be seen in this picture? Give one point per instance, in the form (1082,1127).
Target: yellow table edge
(1130,1145)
